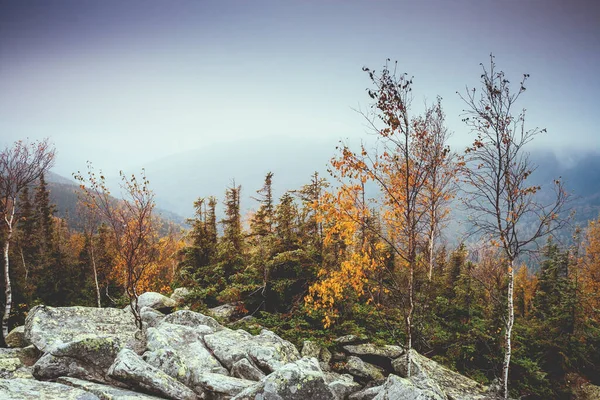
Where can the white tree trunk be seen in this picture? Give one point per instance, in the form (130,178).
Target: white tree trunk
(7,289)
(509,325)
(409,322)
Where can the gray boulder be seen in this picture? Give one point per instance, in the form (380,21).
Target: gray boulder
(343,385)
(244,369)
(105,392)
(371,350)
(151,317)
(363,371)
(27,389)
(367,393)
(396,388)
(223,385)
(87,358)
(179,351)
(299,380)
(225,312)
(48,327)
(129,368)
(267,350)
(156,301)
(310,349)
(350,339)
(16,337)
(427,373)
(180,294)
(193,320)
(27,355)
(13,368)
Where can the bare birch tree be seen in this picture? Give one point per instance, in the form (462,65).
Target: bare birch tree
(20,166)
(502,206)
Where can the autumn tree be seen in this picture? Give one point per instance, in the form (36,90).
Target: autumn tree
(131,225)
(496,169)
(20,166)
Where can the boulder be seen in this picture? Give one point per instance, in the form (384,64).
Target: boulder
(180,352)
(244,369)
(225,312)
(428,373)
(270,352)
(180,294)
(310,349)
(343,385)
(363,371)
(87,358)
(13,368)
(193,320)
(28,355)
(16,337)
(266,350)
(396,388)
(299,380)
(223,385)
(105,392)
(156,301)
(368,393)
(350,339)
(371,350)
(48,327)
(131,369)
(150,317)
(27,389)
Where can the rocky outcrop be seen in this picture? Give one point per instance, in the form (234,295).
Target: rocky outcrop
(299,380)
(179,295)
(156,301)
(132,370)
(16,338)
(94,353)
(27,389)
(49,327)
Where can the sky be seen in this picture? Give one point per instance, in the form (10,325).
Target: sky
(125,83)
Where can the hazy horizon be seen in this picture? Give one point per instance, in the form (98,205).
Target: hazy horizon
(125,84)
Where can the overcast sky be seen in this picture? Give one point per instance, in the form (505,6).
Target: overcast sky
(122,83)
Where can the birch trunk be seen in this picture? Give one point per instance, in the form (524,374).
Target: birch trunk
(95,273)
(409,322)
(8,289)
(509,325)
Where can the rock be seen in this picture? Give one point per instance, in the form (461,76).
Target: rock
(267,350)
(271,352)
(13,368)
(426,372)
(16,337)
(87,358)
(28,355)
(244,369)
(49,327)
(105,392)
(368,393)
(370,350)
(151,317)
(343,386)
(224,385)
(299,380)
(310,349)
(225,312)
(193,320)
(129,368)
(396,388)
(180,294)
(156,301)
(27,389)
(325,355)
(588,391)
(362,370)
(187,343)
(350,339)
